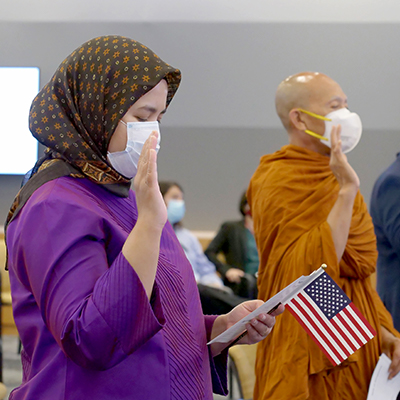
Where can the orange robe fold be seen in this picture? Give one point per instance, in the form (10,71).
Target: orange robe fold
(291,195)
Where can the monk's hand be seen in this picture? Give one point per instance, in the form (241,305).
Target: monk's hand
(343,171)
(234,275)
(391,347)
(259,327)
(149,200)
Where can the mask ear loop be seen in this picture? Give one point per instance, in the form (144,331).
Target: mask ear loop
(318,117)
(316,135)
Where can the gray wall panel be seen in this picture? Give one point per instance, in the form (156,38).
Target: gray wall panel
(215,166)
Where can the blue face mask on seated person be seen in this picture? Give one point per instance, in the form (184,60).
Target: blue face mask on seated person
(176,211)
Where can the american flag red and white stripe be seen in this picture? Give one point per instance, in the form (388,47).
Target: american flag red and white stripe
(330,318)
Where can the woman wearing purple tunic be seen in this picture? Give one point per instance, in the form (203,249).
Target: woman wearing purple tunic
(104,299)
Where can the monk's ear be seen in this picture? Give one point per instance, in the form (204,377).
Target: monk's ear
(296,119)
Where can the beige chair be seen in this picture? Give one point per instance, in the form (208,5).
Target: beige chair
(3,391)
(7,320)
(242,361)
(5,299)
(5,280)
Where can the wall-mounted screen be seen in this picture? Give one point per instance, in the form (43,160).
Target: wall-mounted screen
(18,148)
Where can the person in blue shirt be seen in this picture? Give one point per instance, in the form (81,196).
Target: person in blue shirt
(385,212)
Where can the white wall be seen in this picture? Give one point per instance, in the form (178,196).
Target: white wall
(342,11)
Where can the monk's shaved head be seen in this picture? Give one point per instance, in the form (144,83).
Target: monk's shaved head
(297,91)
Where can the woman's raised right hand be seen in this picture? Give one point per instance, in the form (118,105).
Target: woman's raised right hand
(150,203)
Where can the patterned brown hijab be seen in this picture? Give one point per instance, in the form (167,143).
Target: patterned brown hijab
(77,112)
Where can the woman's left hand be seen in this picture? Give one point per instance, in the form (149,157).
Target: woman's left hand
(257,329)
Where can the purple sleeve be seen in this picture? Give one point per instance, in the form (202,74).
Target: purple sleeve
(218,364)
(98,313)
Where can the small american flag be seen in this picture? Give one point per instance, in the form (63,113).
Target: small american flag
(330,318)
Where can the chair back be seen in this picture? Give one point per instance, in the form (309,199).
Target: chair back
(243,358)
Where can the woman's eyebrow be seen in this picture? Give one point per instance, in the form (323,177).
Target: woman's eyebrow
(152,109)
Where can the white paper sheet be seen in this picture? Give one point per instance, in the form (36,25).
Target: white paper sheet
(280,298)
(380,387)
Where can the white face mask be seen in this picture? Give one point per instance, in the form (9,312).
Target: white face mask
(350,123)
(126,161)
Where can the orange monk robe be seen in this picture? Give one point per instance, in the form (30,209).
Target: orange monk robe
(290,195)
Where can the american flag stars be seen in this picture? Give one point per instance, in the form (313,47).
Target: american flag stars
(326,294)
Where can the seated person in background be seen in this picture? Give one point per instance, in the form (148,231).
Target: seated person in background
(235,240)
(215,297)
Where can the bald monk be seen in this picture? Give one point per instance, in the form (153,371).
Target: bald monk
(307,210)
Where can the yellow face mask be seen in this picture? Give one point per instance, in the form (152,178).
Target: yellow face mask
(318,117)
